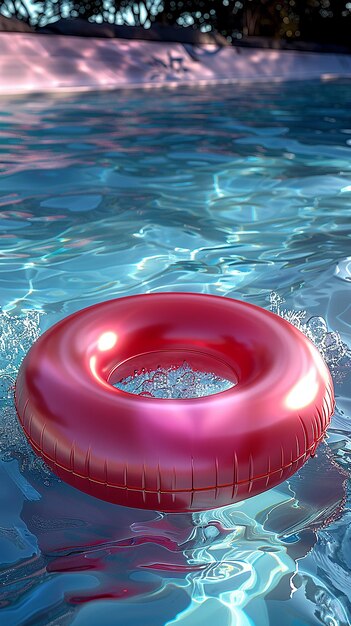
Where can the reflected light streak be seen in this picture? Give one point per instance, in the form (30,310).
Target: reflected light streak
(107,341)
(96,375)
(304,392)
(92,365)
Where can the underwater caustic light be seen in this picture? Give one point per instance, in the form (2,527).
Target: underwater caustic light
(182,454)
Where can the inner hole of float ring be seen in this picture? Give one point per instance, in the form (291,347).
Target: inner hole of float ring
(170,374)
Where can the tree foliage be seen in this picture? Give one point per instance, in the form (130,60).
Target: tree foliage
(326,21)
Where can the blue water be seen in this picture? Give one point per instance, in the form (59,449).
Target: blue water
(238,191)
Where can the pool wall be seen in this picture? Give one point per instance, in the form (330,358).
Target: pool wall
(30,63)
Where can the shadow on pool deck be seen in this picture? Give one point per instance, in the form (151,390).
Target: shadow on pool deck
(33,63)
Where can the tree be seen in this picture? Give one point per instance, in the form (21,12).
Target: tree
(140,13)
(86,9)
(23,10)
(323,21)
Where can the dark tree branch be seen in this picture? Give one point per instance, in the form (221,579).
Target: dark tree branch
(311,20)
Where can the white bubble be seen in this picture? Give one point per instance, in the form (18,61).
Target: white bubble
(174,382)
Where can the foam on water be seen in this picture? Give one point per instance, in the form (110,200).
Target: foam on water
(17,335)
(174,382)
(334,351)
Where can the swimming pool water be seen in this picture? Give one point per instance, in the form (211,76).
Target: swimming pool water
(175,381)
(232,190)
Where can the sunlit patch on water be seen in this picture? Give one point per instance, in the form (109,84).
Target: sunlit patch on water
(343,269)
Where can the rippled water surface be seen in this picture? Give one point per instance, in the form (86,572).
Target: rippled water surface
(235,191)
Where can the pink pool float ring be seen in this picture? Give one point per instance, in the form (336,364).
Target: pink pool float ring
(174,454)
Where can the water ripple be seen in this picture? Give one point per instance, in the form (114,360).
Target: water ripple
(236,191)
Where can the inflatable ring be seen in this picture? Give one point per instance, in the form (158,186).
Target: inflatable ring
(174,454)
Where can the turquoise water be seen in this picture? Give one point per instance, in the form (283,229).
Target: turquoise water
(236,191)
